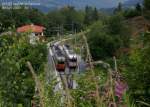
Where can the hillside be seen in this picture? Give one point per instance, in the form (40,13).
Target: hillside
(138,24)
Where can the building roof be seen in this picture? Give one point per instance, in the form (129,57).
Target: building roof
(32,28)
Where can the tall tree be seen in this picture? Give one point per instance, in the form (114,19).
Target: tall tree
(119,8)
(117,26)
(95,14)
(147,4)
(91,15)
(88,15)
(146,11)
(101,44)
(138,7)
(73,18)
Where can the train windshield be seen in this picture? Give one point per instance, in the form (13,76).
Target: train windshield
(73,59)
(61,62)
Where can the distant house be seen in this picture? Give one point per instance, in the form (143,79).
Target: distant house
(35,30)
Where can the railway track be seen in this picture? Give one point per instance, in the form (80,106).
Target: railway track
(61,70)
(64,76)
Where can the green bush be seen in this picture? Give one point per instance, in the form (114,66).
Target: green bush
(16,83)
(106,37)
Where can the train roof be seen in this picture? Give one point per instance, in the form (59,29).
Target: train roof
(68,49)
(69,52)
(58,51)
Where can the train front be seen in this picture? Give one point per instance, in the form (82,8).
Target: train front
(71,57)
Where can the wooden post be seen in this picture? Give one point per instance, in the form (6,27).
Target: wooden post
(37,83)
(115,63)
(89,57)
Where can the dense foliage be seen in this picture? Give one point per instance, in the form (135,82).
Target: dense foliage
(147,4)
(106,37)
(16,83)
(138,70)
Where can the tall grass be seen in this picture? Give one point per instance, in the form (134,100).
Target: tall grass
(128,101)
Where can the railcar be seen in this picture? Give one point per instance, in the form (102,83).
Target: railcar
(59,58)
(71,57)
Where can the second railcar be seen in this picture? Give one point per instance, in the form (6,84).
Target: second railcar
(59,59)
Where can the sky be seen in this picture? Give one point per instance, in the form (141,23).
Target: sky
(76,3)
(82,3)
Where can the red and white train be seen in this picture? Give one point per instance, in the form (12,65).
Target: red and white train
(59,59)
